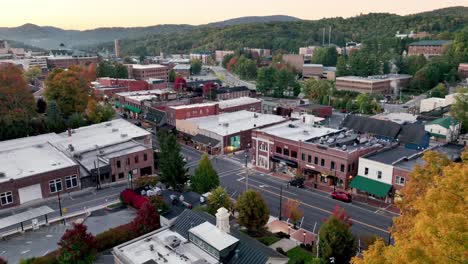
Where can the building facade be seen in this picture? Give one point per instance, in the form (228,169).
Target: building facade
(428,48)
(146,72)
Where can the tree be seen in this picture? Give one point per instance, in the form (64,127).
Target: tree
(147,219)
(54,118)
(171,163)
(285,83)
(218,198)
(253,211)
(195,66)
(105,69)
(98,113)
(180,83)
(128,60)
(459,109)
(32,73)
(121,72)
(226,60)
(76,120)
(342,67)
(205,177)
(317,90)
(265,79)
(77,246)
(439,91)
(336,239)
(17,105)
(327,56)
(41,105)
(432,224)
(172,75)
(70,89)
(143,181)
(291,210)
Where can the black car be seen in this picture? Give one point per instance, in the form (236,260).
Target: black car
(299,183)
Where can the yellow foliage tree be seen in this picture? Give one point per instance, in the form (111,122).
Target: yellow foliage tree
(433,226)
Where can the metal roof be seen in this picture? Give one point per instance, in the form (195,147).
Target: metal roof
(24,216)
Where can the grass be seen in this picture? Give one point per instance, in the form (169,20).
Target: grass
(300,255)
(269,240)
(114,205)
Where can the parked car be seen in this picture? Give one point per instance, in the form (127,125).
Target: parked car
(342,196)
(298,182)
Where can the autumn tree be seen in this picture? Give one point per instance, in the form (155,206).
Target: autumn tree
(17,105)
(218,198)
(432,226)
(98,113)
(70,89)
(205,177)
(253,211)
(292,211)
(171,164)
(32,73)
(317,90)
(77,246)
(459,109)
(180,84)
(336,239)
(147,219)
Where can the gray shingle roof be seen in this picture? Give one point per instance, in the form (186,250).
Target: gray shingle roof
(373,126)
(250,250)
(412,133)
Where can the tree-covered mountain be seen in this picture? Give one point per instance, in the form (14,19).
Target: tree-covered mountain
(50,37)
(375,29)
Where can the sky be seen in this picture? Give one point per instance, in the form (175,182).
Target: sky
(89,14)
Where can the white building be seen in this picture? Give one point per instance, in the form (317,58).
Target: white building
(444,129)
(433,103)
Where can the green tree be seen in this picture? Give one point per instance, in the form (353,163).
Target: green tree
(459,109)
(342,67)
(266,79)
(77,246)
(172,75)
(226,60)
(76,120)
(121,71)
(32,73)
(336,239)
(105,69)
(128,60)
(70,89)
(205,177)
(54,118)
(327,56)
(195,66)
(439,91)
(253,211)
(317,90)
(218,198)
(171,163)
(97,113)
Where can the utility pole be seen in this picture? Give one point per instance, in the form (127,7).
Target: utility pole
(281,200)
(329,36)
(246,172)
(323,37)
(60,205)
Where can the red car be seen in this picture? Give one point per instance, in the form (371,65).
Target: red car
(342,196)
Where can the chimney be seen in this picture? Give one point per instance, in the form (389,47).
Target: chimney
(69,132)
(222,220)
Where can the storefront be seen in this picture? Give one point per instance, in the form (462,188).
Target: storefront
(206,144)
(284,166)
(372,188)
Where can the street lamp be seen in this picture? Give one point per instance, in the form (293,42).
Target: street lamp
(246,155)
(281,200)
(304,234)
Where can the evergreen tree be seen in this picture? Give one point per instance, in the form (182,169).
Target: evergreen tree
(265,79)
(172,75)
(121,71)
(336,239)
(205,177)
(171,163)
(253,211)
(54,118)
(76,120)
(195,66)
(41,106)
(218,198)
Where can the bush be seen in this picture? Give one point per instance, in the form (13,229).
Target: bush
(143,181)
(127,196)
(77,245)
(139,201)
(269,240)
(159,203)
(280,250)
(115,236)
(282,235)
(50,258)
(299,255)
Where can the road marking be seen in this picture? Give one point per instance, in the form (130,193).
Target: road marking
(325,211)
(45,253)
(263,186)
(240,179)
(2,252)
(25,251)
(28,242)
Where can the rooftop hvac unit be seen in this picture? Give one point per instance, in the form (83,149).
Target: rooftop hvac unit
(108,124)
(173,241)
(2,175)
(71,148)
(344,147)
(115,129)
(226,124)
(123,135)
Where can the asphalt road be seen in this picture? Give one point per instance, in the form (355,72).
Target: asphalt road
(231,79)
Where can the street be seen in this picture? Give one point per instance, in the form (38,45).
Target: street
(231,79)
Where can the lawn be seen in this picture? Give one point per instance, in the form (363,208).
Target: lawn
(269,240)
(300,255)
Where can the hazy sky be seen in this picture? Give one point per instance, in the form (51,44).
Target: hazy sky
(86,14)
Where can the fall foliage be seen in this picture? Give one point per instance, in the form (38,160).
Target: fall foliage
(77,246)
(291,210)
(433,225)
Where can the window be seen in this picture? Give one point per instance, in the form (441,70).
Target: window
(55,185)
(322,162)
(316,160)
(353,166)
(263,147)
(293,154)
(118,164)
(379,175)
(136,159)
(366,171)
(128,161)
(309,158)
(303,156)
(400,180)
(286,152)
(279,150)
(145,157)
(342,168)
(6,198)
(349,167)
(332,165)
(121,175)
(71,181)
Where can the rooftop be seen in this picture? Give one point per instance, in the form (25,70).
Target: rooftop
(374,78)
(399,118)
(232,89)
(182,67)
(145,67)
(146,93)
(28,160)
(445,122)
(307,65)
(237,102)
(231,123)
(430,43)
(193,105)
(213,236)
(391,155)
(453,152)
(297,130)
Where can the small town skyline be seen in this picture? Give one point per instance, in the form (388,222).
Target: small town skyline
(90,15)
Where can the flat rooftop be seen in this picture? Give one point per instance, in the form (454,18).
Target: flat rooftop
(163,250)
(149,66)
(237,102)
(453,152)
(30,160)
(193,105)
(213,236)
(391,155)
(182,67)
(146,92)
(374,78)
(399,118)
(297,130)
(231,123)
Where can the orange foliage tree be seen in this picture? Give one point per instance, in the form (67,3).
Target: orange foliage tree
(292,211)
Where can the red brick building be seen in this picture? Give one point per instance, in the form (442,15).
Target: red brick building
(239,104)
(227,93)
(428,48)
(64,62)
(109,86)
(190,111)
(463,70)
(146,72)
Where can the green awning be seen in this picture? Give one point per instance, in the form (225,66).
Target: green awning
(132,108)
(374,187)
(117,104)
(438,135)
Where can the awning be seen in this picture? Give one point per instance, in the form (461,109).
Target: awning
(24,216)
(132,108)
(288,162)
(374,187)
(118,104)
(207,141)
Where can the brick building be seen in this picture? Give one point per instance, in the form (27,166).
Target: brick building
(109,86)
(239,104)
(294,60)
(182,70)
(135,103)
(428,48)
(64,62)
(146,72)
(376,84)
(312,71)
(220,54)
(181,112)
(463,70)
(227,93)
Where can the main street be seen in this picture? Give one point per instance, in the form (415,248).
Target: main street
(231,79)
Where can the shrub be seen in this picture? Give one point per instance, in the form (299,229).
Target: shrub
(127,196)
(143,181)
(139,201)
(159,203)
(280,250)
(115,236)
(269,240)
(147,219)
(282,235)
